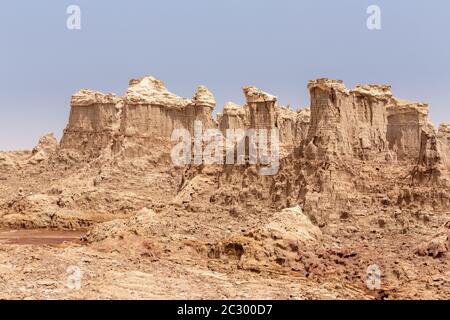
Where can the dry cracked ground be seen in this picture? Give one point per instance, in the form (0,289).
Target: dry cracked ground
(363,184)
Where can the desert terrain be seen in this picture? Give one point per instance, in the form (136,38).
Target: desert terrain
(363,183)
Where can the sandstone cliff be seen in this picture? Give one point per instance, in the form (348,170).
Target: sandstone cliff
(94,119)
(262,112)
(443,138)
(146,112)
(151,110)
(233,116)
(369,123)
(101,123)
(406,122)
(347,123)
(365,123)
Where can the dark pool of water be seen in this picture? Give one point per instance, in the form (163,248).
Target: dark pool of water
(38,237)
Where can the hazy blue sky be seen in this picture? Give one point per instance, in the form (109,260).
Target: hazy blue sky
(275,45)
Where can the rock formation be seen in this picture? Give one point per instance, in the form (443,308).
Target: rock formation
(406,123)
(147,111)
(94,119)
(151,110)
(363,178)
(347,123)
(443,139)
(232,117)
(46,147)
(261,108)
(6,163)
(262,112)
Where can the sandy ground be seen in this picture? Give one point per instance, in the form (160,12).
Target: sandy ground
(45,271)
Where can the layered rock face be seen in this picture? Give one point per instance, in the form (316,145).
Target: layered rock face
(261,107)
(365,123)
(412,137)
(262,112)
(94,119)
(293,125)
(347,123)
(151,110)
(147,111)
(258,112)
(443,138)
(435,148)
(350,159)
(406,122)
(368,123)
(233,116)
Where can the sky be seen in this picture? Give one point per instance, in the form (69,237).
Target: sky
(276,45)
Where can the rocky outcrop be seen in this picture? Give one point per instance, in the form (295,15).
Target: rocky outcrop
(277,242)
(152,111)
(261,108)
(102,123)
(94,119)
(147,111)
(437,246)
(286,122)
(233,116)
(45,148)
(365,123)
(292,224)
(6,163)
(261,112)
(347,123)
(408,123)
(434,153)
(302,121)
(368,123)
(293,125)
(443,140)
